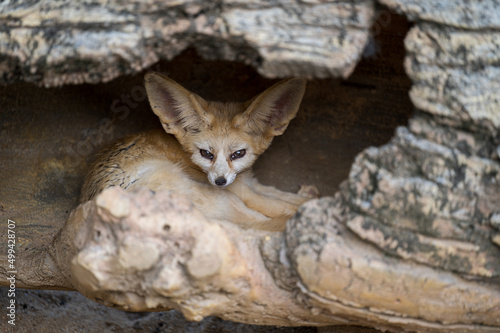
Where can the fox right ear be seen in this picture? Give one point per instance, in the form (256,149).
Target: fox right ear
(179,109)
(270,112)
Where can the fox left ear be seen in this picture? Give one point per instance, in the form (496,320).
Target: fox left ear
(271,111)
(179,110)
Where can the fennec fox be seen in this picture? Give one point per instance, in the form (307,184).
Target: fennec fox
(206,153)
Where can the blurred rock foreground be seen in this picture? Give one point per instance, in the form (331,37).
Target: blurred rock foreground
(409,241)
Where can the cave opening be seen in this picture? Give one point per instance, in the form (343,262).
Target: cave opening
(49,136)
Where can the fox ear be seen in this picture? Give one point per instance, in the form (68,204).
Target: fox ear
(271,111)
(179,109)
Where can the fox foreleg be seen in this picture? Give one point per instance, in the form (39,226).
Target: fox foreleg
(266,200)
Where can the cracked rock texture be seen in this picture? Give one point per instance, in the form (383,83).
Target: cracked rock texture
(159,253)
(432,195)
(56,43)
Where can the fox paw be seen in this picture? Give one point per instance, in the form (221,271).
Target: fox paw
(308,191)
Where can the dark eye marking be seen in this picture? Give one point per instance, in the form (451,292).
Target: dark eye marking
(238,154)
(206,154)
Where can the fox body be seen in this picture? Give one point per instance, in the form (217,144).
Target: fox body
(206,152)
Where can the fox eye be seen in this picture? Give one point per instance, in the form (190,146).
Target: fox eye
(206,154)
(238,154)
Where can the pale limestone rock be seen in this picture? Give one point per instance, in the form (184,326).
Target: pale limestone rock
(96,41)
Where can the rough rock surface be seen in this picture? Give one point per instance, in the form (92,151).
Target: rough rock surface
(56,43)
(428,202)
(70,311)
(149,251)
(433,194)
(470,15)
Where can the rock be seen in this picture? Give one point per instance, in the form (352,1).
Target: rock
(426,202)
(53,44)
(458,14)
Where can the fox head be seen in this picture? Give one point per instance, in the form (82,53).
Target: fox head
(223,139)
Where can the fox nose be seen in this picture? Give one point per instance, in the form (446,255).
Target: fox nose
(221,181)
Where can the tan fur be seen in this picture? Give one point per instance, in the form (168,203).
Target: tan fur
(174,161)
